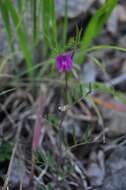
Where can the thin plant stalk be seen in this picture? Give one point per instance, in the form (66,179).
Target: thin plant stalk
(65,26)
(66,89)
(34,21)
(65,111)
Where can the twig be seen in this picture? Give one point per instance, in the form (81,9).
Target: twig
(82,117)
(12,158)
(43,172)
(117,80)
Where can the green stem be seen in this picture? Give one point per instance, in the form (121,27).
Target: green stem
(34,21)
(66,88)
(65,24)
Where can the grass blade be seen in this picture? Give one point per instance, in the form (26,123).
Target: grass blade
(21,34)
(6,21)
(97,22)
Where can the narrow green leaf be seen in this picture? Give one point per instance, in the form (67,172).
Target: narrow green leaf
(53,26)
(94,27)
(6,21)
(34,10)
(21,34)
(46,23)
(97,22)
(65,24)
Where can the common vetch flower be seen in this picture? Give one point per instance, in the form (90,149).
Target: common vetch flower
(64,62)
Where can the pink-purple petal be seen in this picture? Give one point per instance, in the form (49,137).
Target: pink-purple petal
(64,62)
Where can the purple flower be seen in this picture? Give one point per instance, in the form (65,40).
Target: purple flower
(64,62)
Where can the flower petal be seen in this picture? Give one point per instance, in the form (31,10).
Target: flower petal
(64,62)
